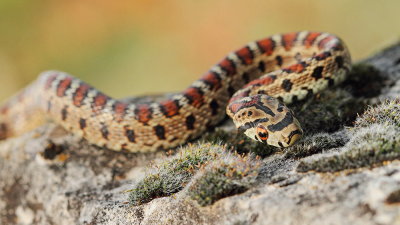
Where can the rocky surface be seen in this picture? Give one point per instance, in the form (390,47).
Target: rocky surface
(51,177)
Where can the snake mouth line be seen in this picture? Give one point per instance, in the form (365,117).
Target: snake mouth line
(294,136)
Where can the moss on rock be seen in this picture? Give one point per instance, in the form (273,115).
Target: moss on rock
(172,175)
(386,113)
(232,174)
(368,146)
(316,144)
(223,174)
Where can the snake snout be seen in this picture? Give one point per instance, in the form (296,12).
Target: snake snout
(294,136)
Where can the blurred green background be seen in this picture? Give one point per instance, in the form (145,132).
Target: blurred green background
(136,47)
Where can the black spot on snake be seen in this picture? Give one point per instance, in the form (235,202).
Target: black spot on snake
(190,120)
(214,107)
(280,107)
(310,92)
(123,146)
(64,113)
(246,77)
(249,113)
(104,131)
(280,144)
(231,90)
(130,134)
(261,92)
(317,73)
(82,123)
(287,85)
(160,132)
(279,60)
(288,119)
(295,98)
(331,82)
(261,66)
(339,61)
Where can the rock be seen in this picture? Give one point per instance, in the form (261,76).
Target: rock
(51,177)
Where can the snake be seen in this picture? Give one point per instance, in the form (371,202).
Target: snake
(253,85)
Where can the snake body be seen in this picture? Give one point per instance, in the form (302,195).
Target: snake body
(251,85)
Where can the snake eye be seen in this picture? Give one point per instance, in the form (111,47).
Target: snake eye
(262,133)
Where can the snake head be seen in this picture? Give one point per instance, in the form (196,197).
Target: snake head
(265,119)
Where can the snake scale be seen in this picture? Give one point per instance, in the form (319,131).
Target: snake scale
(251,85)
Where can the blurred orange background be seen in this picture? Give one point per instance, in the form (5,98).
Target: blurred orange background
(136,47)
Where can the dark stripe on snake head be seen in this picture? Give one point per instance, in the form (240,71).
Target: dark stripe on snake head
(63,85)
(288,119)
(252,124)
(317,73)
(288,40)
(228,66)
(160,132)
(195,96)
(190,120)
(143,113)
(245,55)
(80,94)
(266,46)
(254,102)
(169,108)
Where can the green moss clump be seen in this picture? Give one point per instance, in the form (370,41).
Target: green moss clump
(224,177)
(315,144)
(238,142)
(222,174)
(369,146)
(173,174)
(385,113)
